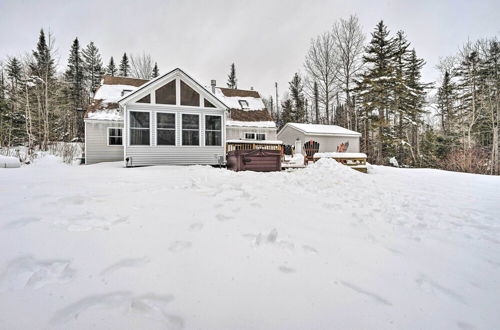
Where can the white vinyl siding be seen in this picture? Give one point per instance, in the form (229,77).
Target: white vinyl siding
(96,142)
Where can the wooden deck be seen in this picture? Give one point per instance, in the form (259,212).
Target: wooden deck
(356,162)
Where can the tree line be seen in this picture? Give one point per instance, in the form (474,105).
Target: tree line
(375,87)
(38,104)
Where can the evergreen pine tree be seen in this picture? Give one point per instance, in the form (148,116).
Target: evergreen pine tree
(75,79)
(445,103)
(92,64)
(111,69)
(375,90)
(231,78)
(124,66)
(286,112)
(297,112)
(156,71)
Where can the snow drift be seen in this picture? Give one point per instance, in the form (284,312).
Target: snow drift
(196,247)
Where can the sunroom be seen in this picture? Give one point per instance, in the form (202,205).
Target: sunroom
(173,120)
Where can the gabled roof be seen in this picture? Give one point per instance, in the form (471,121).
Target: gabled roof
(317,129)
(166,76)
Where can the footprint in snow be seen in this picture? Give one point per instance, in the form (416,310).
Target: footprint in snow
(223,217)
(286,270)
(21,222)
(125,263)
(149,306)
(196,226)
(309,249)
(28,272)
(179,246)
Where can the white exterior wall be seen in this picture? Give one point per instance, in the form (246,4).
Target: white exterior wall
(178,154)
(96,142)
(327,143)
(238,133)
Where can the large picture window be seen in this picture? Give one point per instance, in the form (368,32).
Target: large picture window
(115,137)
(213,130)
(139,128)
(166,94)
(189,96)
(165,129)
(190,130)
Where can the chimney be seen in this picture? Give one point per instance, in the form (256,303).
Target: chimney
(213,83)
(251,88)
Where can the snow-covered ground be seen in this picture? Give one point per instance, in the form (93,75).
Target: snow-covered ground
(323,247)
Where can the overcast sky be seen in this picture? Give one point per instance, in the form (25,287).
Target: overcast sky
(267,40)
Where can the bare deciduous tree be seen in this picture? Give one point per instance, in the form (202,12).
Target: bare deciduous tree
(321,65)
(141,66)
(349,42)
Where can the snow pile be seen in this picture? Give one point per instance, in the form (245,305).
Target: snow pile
(9,162)
(394,162)
(339,155)
(105,114)
(196,247)
(258,124)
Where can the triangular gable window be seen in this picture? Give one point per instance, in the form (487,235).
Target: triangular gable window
(207,104)
(166,94)
(145,99)
(189,96)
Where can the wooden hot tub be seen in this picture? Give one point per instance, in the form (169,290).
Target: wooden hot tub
(259,160)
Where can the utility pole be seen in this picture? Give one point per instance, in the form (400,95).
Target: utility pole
(277,104)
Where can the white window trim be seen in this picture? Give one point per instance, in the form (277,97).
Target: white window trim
(175,129)
(150,129)
(200,144)
(221,129)
(108,136)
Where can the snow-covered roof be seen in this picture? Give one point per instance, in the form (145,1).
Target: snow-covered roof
(112,93)
(232,97)
(258,124)
(317,129)
(105,114)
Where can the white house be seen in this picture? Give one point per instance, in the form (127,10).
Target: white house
(171,119)
(329,137)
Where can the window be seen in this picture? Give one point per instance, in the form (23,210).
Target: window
(166,93)
(260,136)
(213,130)
(207,104)
(189,96)
(145,99)
(190,130)
(244,104)
(165,129)
(115,136)
(250,136)
(139,128)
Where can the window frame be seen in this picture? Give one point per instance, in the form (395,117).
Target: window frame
(108,136)
(265,136)
(221,130)
(175,128)
(200,144)
(241,104)
(254,136)
(129,135)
